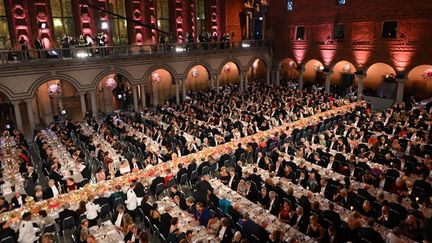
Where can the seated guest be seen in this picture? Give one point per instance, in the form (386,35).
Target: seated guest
(237,238)
(156,181)
(202,214)
(165,221)
(225,232)
(180,202)
(84,233)
(315,230)
(202,188)
(147,204)
(369,233)
(168,177)
(249,226)
(155,215)
(52,190)
(300,220)
(81,208)
(213,225)
(18,200)
(133,235)
(276,237)
(273,204)
(70,184)
(124,167)
(39,193)
(285,212)
(6,231)
(117,218)
(174,231)
(66,213)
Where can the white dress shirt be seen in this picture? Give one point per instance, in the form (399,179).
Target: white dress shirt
(119,220)
(55,191)
(27,233)
(222,232)
(131,201)
(92,210)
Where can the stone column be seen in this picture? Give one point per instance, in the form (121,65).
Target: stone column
(212,79)
(360,86)
(268,76)
(246,78)
(30,114)
(143,95)
(135,96)
(241,80)
(183,81)
(93,103)
(55,105)
(155,94)
(301,71)
(83,103)
(18,118)
(277,77)
(217,77)
(177,91)
(400,89)
(327,81)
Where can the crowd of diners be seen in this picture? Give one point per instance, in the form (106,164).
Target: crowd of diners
(397,139)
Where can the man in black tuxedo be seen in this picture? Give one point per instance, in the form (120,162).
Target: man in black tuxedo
(224,158)
(147,204)
(273,204)
(300,221)
(252,192)
(18,200)
(202,189)
(191,167)
(239,151)
(225,232)
(165,222)
(233,211)
(156,181)
(66,213)
(233,180)
(255,177)
(369,233)
(117,218)
(180,172)
(332,216)
(202,165)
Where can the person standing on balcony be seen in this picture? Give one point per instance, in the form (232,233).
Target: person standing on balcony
(24,48)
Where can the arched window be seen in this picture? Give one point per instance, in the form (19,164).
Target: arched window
(200,16)
(5,42)
(120,34)
(163,15)
(62,18)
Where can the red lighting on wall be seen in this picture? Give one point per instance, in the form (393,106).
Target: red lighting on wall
(135,11)
(327,56)
(361,57)
(150,11)
(20,22)
(299,55)
(401,60)
(179,20)
(214,18)
(43,22)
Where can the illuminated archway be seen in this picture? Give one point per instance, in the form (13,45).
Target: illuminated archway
(419,83)
(380,80)
(288,69)
(6,110)
(257,71)
(198,78)
(114,92)
(160,84)
(55,98)
(343,75)
(229,74)
(313,72)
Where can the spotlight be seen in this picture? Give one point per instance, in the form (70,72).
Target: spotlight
(82,54)
(104,25)
(43,25)
(245,45)
(180,49)
(63,112)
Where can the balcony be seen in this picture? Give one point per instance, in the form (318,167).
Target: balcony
(62,55)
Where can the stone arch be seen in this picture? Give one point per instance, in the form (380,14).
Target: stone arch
(228,60)
(6,91)
(418,84)
(198,77)
(160,90)
(103,74)
(62,77)
(288,68)
(261,58)
(166,67)
(205,64)
(313,72)
(380,80)
(343,73)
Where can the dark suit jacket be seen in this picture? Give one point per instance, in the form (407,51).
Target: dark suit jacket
(333,217)
(67,213)
(302,224)
(155,182)
(14,201)
(226,238)
(370,234)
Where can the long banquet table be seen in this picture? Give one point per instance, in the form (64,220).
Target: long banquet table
(149,172)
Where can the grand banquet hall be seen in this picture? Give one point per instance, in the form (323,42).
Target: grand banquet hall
(204,121)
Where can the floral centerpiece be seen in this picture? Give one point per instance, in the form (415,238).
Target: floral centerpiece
(195,72)
(54,90)
(111,84)
(156,77)
(427,74)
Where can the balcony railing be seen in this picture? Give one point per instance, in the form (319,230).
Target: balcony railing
(61,54)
